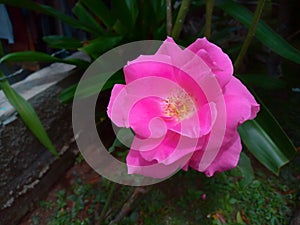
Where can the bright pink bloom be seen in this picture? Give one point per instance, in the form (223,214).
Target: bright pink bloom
(184,106)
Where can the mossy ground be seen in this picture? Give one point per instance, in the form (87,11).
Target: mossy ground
(187,198)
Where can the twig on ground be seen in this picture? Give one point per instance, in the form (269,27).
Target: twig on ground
(127,207)
(107,203)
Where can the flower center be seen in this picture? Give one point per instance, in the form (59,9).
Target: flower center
(179,105)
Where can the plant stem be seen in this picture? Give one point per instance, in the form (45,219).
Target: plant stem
(185,5)
(107,203)
(169,16)
(250,33)
(208,17)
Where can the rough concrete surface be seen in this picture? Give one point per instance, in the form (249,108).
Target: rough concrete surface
(27,169)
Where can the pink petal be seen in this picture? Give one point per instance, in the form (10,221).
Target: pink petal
(125,97)
(189,68)
(228,156)
(194,66)
(169,48)
(146,118)
(149,65)
(170,154)
(148,163)
(236,88)
(193,83)
(183,58)
(238,110)
(155,170)
(190,72)
(215,58)
(117,118)
(167,149)
(162,149)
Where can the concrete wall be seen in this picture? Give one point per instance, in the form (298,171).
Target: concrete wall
(27,169)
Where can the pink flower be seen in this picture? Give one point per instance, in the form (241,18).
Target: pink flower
(184,106)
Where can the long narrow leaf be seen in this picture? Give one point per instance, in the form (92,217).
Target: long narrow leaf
(28,115)
(62,42)
(122,12)
(96,47)
(101,11)
(87,19)
(133,9)
(266,140)
(67,95)
(91,87)
(246,170)
(81,64)
(29,56)
(263,32)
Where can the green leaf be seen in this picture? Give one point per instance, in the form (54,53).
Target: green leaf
(239,218)
(116,144)
(267,141)
(29,56)
(263,32)
(133,9)
(100,45)
(81,64)
(91,87)
(45,9)
(28,115)
(159,9)
(151,20)
(246,169)
(126,12)
(101,11)
(62,42)
(67,95)
(87,19)
(123,139)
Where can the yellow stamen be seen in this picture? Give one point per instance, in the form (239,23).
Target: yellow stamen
(179,105)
